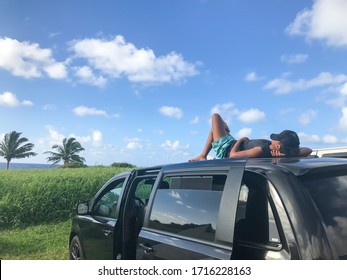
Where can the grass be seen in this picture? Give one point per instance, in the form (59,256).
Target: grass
(36,207)
(35,197)
(42,242)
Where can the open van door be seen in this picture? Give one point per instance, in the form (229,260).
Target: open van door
(133,207)
(192,211)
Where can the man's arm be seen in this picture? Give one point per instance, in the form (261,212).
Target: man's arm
(304,151)
(236,153)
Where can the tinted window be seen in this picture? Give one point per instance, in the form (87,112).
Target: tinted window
(143,188)
(330,196)
(106,204)
(254,217)
(188,206)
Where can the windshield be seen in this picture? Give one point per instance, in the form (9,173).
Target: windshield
(330,196)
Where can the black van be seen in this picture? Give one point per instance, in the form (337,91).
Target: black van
(258,209)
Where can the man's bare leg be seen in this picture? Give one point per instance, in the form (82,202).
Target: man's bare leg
(219,129)
(207,148)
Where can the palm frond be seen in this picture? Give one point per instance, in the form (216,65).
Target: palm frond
(66,152)
(13,146)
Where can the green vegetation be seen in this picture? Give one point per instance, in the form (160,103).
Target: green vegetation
(35,197)
(68,152)
(13,147)
(43,242)
(123,165)
(36,207)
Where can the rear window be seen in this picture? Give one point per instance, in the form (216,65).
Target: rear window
(330,196)
(188,206)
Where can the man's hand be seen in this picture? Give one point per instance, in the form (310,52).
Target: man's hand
(276,153)
(244,139)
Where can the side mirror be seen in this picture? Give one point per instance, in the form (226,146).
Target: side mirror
(82,208)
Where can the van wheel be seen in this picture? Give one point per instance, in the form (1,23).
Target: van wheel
(75,251)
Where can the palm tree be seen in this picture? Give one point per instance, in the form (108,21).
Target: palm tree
(67,152)
(13,147)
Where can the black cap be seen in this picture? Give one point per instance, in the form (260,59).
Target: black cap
(287,138)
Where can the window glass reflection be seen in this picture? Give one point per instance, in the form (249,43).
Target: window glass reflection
(330,196)
(188,206)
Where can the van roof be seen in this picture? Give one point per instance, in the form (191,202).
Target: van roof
(298,166)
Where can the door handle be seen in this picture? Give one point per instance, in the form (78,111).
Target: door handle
(107,232)
(145,248)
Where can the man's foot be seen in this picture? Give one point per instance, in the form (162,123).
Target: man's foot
(198,158)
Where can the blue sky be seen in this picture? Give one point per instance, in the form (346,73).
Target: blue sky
(137,81)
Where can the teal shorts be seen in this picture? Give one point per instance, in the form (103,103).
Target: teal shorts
(222,146)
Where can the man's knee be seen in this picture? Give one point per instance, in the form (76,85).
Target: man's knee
(216,118)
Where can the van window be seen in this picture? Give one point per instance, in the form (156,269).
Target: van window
(106,204)
(330,196)
(188,206)
(255,221)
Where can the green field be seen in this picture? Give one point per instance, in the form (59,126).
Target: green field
(36,207)
(43,242)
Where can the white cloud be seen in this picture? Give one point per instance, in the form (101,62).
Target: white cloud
(313,139)
(172,112)
(174,149)
(285,111)
(49,107)
(226,110)
(54,137)
(28,60)
(133,144)
(244,132)
(97,138)
(252,77)
(117,58)
(86,76)
(343,89)
(113,58)
(54,34)
(93,143)
(251,116)
(342,124)
(82,139)
(175,195)
(195,120)
(173,146)
(55,70)
(326,20)
(340,98)
(9,99)
(86,111)
(27,103)
(307,117)
(330,139)
(294,58)
(223,108)
(282,85)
